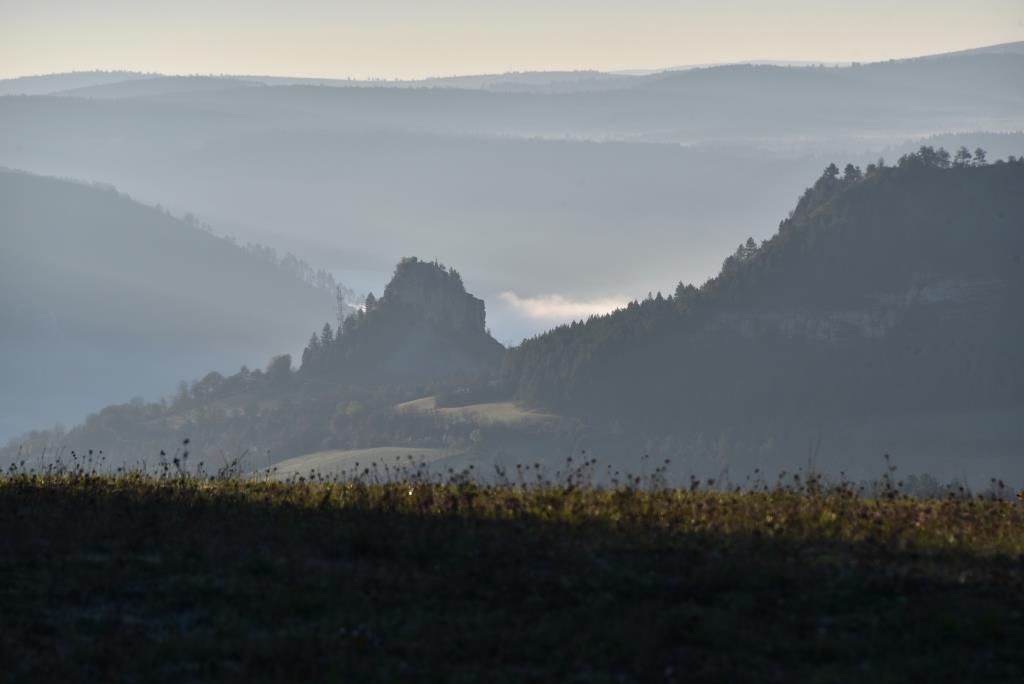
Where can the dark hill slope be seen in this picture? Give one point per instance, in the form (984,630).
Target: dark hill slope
(891,295)
(103,298)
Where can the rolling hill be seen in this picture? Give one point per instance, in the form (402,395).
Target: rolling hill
(103,298)
(48,84)
(155,86)
(349,463)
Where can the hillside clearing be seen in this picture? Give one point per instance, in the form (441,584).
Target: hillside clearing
(493,413)
(351,461)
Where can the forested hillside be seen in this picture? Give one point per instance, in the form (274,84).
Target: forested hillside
(890,292)
(103,298)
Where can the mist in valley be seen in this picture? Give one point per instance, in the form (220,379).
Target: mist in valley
(160,227)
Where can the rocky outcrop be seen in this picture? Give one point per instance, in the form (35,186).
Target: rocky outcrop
(435,293)
(424,328)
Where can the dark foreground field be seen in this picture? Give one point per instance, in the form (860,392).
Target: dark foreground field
(134,579)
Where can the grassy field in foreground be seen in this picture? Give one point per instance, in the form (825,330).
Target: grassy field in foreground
(141,579)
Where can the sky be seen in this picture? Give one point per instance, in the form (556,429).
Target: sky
(419,38)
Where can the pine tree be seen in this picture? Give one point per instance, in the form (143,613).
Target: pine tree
(963,157)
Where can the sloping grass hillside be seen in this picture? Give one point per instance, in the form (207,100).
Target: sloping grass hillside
(489,413)
(353,462)
(133,578)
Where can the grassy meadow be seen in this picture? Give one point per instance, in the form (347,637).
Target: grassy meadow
(489,413)
(346,462)
(139,578)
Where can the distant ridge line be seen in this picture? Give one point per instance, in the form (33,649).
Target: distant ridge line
(1009,48)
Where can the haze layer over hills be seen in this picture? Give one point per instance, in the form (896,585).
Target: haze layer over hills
(557,194)
(103,298)
(578,176)
(882,317)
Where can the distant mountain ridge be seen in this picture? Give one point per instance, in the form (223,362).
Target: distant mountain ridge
(1011,48)
(98,83)
(47,84)
(1001,48)
(158,85)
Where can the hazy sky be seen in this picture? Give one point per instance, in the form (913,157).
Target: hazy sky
(416,38)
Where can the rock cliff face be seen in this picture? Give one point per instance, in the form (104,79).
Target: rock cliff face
(435,293)
(425,328)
